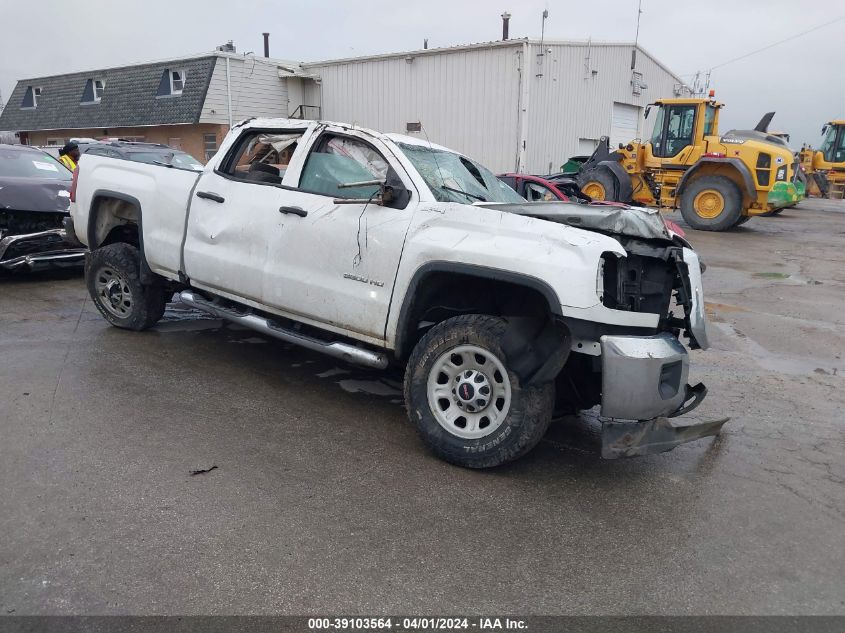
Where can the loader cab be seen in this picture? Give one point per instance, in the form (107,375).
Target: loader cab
(833,143)
(680,126)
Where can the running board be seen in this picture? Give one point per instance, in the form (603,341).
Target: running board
(344,351)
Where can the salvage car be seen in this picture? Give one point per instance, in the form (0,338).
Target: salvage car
(34,202)
(539,189)
(382,249)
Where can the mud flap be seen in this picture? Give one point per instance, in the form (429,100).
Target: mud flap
(626,438)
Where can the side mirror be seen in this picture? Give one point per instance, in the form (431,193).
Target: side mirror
(647,110)
(389,195)
(824,129)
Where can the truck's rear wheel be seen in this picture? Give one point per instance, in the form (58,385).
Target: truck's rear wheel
(598,184)
(712,203)
(467,404)
(112,274)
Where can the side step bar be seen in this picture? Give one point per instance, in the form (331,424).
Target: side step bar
(344,351)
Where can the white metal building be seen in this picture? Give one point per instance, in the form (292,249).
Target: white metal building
(514,105)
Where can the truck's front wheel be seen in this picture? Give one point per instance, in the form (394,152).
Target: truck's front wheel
(112,274)
(468,406)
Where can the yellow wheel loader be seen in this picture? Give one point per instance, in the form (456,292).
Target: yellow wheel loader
(825,167)
(717,181)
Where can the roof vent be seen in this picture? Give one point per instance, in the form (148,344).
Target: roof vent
(228,47)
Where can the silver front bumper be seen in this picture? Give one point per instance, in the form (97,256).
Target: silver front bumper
(644,383)
(643,377)
(58,251)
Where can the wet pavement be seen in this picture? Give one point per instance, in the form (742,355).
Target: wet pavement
(324,499)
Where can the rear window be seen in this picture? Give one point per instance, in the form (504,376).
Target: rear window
(176,159)
(31,164)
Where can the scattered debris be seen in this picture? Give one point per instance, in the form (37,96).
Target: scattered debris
(202,471)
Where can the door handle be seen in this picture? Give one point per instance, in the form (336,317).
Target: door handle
(294,211)
(210,195)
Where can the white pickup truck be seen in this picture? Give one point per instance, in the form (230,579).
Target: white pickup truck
(382,249)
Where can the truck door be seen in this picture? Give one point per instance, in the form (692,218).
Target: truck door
(334,264)
(234,214)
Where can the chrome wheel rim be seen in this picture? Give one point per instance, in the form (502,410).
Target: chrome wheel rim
(115,294)
(469,392)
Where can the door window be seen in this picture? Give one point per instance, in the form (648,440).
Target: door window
(262,156)
(341,160)
(676,128)
(833,149)
(535,192)
(709,117)
(839,154)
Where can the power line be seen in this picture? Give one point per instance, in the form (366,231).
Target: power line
(787,39)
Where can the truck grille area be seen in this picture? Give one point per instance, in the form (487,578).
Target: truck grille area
(638,283)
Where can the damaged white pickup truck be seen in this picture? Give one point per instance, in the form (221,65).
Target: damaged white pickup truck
(379,249)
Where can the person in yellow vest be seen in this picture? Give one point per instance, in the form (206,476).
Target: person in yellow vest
(69,155)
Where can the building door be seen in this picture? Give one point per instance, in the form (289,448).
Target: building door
(624,125)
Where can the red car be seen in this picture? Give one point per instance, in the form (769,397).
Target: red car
(534,188)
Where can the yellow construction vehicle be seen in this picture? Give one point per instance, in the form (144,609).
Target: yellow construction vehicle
(825,167)
(717,181)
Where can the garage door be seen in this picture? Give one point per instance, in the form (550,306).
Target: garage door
(623,127)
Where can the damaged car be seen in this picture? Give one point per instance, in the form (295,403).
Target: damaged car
(34,207)
(382,249)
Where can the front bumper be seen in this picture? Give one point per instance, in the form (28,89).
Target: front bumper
(37,251)
(644,382)
(783,194)
(643,377)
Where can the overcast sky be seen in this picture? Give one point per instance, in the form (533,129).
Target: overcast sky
(801,79)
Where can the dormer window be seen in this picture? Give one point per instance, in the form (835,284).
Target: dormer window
(93,91)
(30,98)
(177,81)
(172,83)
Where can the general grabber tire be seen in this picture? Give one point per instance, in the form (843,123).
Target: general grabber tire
(712,203)
(112,274)
(598,184)
(466,403)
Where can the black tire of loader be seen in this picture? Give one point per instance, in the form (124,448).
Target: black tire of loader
(149,300)
(605,178)
(530,411)
(730,193)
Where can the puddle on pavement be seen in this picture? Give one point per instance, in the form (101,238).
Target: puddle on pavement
(180,318)
(783,364)
(788,277)
(771,275)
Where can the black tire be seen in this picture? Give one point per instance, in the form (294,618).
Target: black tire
(742,220)
(125,302)
(731,212)
(525,420)
(604,178)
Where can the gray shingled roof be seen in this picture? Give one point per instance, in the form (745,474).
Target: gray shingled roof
(129,98)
